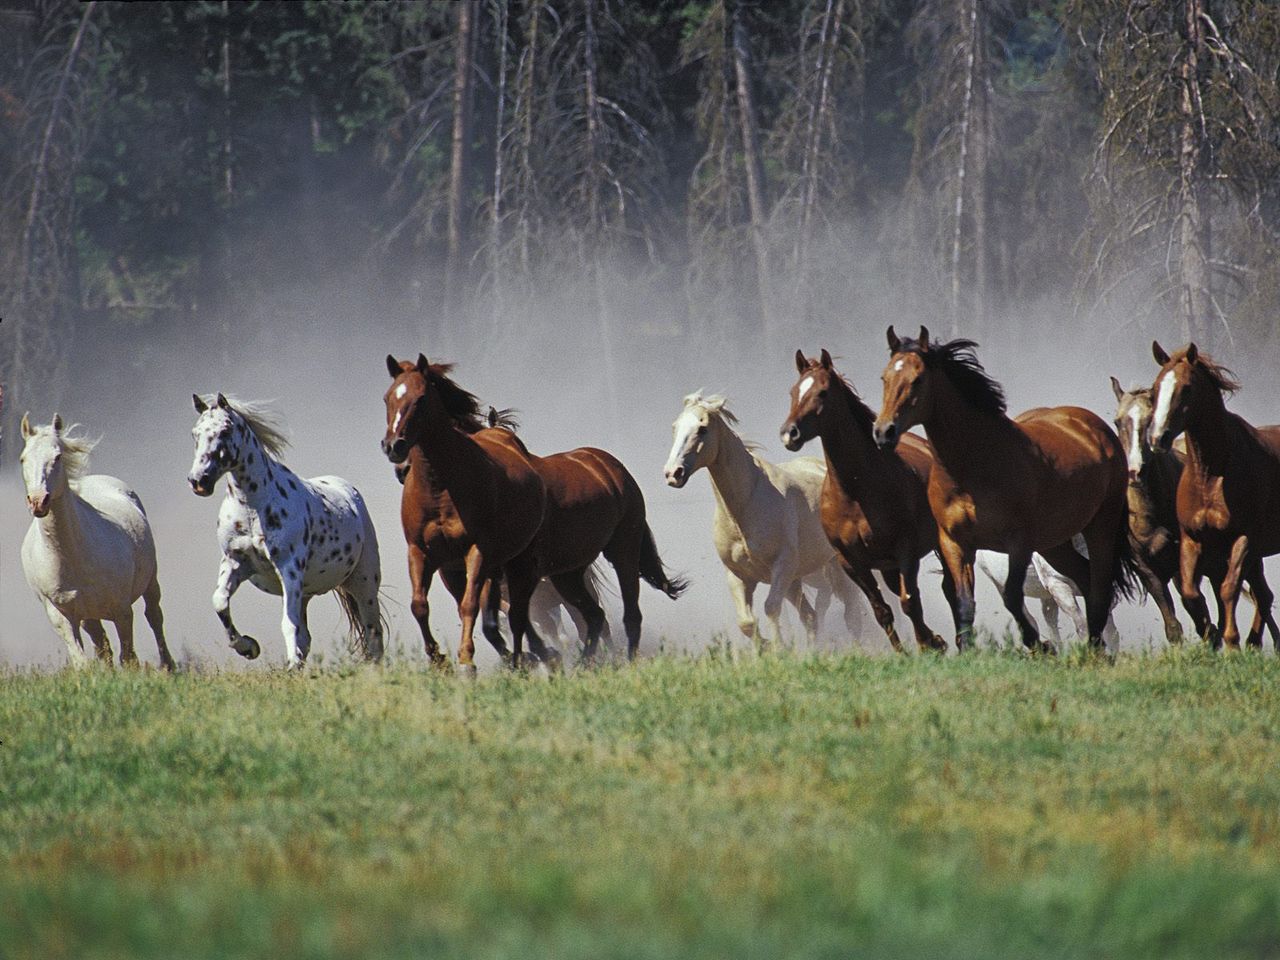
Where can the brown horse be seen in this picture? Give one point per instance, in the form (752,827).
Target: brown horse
(1016,486)
(436,537)
(874,508)
(1229,494)
(469,490)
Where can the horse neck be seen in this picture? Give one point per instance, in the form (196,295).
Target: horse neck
(1209,437)
(455,457)
(850,451)
(254,483)
(61,528)
(1152,498)
(962,436)
(734,472)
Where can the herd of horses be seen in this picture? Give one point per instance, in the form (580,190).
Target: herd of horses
(1181,490)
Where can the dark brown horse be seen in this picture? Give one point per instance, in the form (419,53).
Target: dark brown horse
(1016,486)
(469,489)
(1229,494)
(874,507)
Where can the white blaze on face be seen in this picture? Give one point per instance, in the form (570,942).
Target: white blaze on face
(395,424)
(1135,439)
(805,385)
(685,438)
(401,391)
(898,365)
(1164,400)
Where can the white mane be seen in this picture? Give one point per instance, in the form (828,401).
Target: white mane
(75,449)
(259,418)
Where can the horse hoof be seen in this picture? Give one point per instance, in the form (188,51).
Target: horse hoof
(247,647)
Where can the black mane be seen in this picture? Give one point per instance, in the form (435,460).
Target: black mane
(863,415)
(960,364)
(463,405)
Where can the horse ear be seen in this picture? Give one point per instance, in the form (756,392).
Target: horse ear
(222,403)
(57,423)
(423,366)
(825,359)
(393,366)
(801,363)
(200,405)
(1117,389)
(493,416)
(924,337)
(1157,351)
(25,426)
(894,341)
(1193,352)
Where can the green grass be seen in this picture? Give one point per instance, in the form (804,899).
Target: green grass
(987,806)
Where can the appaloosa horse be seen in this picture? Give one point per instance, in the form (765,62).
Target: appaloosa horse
(1016,486)
(1228,502)
(874,508)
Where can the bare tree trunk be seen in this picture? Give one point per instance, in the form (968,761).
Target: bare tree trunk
(499,136)
(819,108)
(755,169)
(525,94)
(1193,262)
(979,137)
(228,183)
(966,114)
(462,83)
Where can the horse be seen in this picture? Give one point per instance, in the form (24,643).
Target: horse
(767,527)
(1228,500)
(288,536)
(89,553)
(436,538)
(497,501)
(874,510)
(1016,486)
(1055,592)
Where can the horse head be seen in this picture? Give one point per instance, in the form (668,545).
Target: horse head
(809,396)
(695,438)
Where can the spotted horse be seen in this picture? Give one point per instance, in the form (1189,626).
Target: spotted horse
(288,536)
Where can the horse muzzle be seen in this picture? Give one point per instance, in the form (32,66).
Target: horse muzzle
(397,450)
(39,506)
(790,437)
(886,435)
(201,486)
(676,477)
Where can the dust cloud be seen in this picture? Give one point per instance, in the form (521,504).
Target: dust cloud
(318,354)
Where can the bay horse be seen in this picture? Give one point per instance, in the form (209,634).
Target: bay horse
(1016,486)
(1228,501)
(874,509)
(89,553)
(289,537)
(496,505)
(766,527)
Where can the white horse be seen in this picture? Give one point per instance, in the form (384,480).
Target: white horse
(288,536)
(767,527)
(89,553)
(1054,591)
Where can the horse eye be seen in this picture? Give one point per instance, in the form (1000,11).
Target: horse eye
(702,430)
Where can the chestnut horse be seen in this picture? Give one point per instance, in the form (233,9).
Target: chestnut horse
(436,537)
(1229,494)
(874,509)
(1016,486)
(495,507)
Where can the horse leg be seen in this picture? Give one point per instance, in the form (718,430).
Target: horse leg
(958,562)
(124,633)
(1158,588)
(363,596)
(293,621)
(69,631)
(522,580)
(1049,610)
(866,581)
(781,576)
(627,568)
(1262,601)
(1229,591)
(489,611)
(909,598)
(575,592)
(806,611)
(469,607)
(155,620)
(231,574)
(1015,601)
(1192,598)
(420,606)
(742,592)
(101,646)
(843,588)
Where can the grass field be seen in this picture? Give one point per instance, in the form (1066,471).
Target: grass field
(986,806)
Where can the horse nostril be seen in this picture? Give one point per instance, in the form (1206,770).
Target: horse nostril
(678,473)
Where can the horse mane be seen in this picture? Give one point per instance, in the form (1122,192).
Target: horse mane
(718,404)
(961,365)
(75,450)
(262,422)
(463,405)
(1220,376)
(863,415)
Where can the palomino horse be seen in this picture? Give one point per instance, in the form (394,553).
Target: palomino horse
(1014,486)
(874,509)
(497,501)
(1228,501)
(766,527)
(89,553)
(288,536)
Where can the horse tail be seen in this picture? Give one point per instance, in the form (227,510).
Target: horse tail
(654,573)
(1125,580)
(356,640)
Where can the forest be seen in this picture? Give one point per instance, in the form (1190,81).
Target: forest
(667,171)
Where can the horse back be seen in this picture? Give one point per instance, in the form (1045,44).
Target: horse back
(1070,437)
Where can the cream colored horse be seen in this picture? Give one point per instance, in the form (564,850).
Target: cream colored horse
(89,553)
(766,527)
